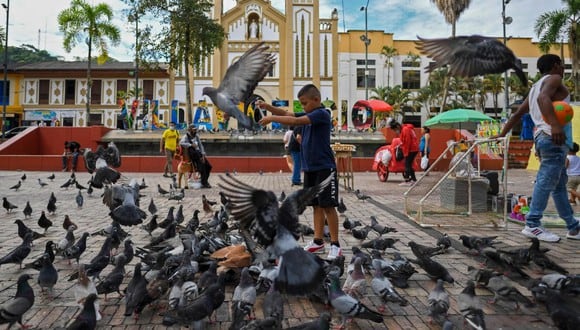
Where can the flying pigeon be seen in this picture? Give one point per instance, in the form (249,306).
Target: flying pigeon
(240,80)
(469,56)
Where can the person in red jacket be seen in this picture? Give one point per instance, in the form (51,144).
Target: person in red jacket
(410,146)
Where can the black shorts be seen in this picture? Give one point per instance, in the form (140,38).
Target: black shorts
(329,196)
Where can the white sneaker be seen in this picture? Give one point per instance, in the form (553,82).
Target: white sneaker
(313,247)
(334,252)
(541,234)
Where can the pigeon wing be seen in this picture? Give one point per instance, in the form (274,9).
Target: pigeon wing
(243,76)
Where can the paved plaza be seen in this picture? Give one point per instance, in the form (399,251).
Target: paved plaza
(386,203)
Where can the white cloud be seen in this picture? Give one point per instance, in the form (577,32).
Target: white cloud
(404,18)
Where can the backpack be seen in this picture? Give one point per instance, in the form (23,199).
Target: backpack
(293,144)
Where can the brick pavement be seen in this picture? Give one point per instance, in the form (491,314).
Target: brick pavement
(386,204)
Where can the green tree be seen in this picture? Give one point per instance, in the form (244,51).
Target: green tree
(82,22)
(389,53)
(494,84)
(29,54)
(187,37)
(554,26)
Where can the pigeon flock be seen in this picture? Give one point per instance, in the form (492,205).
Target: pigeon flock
(186,261)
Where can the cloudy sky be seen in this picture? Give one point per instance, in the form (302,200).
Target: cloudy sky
(34,21)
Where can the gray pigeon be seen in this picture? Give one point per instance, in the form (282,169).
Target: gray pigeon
(470,307)
(434,269)
(469,56)
(322,323)
(19,253)
(243,299)
(356,282)
(503,289)
(17,186)
(87,318)
(13,310)
(383,288)
(347,306)
(438,301)
(80,199)
(273,307)
(152,207)
(47,277)
(27,210)
(563,309)
(240,80)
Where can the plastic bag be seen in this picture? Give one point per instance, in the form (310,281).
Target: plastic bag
(424,162)
(386,157)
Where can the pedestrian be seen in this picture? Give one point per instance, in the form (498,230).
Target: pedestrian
(317,161)
(286,140)
(71,150)
(410,147)
(552,144)
(193,146)
(168,145)
(294,149)
(425,143)
(573,172)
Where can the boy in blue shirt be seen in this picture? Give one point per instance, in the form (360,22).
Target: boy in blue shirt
(317,162)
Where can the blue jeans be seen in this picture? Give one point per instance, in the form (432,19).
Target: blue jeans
(551,179)
(74,156)
(297,166)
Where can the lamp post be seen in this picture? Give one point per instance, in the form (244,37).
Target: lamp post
(506,20)
(5,87)
(367,41)
(136,57)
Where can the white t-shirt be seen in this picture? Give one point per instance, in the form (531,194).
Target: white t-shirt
(287,136)
(573,165)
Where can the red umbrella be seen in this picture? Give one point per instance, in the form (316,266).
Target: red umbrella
(375,105)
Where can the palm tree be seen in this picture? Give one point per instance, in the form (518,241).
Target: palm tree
(380,93)
(553,26)
(493,84)
(389,52)
(451,10)
(91,25)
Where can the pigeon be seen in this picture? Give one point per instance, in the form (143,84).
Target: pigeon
(113,280)
(322,323)
(481,276)
(541,259)
(207,204)
(48,251)
(52,198)
(87,318)
(128,214)
(98,263)
(135,292)
(19,253)
(384,289)
(434,269)
(341,208)
(348,224)
(361,196)
(13,310)
(51,207)
(7,205)
(105,175)
(23,177)
(161,190)
(502,262)
(41,183)
(208,277)
(243,299)
(477,243)
(274,227)
(169,219)
(361,233)
(282,196)
(563,309)
(83,288)
(67,241)
(27,210)
(77,249)
(179,217)
(347,306)
(399,271)
(380,229)
(273,307)
(79,186)
(503,289)
(151,225)
(128,253)
(23,230)
(469,56)
(470,307)
(47,276)
(563,283)
(424,251)
(80,199)
(17,186)
(152,207)
(90,189)
(177,196)
(380,243)
(438,301)
(51,177)
(68,183)
(67,223)
(355,284)
(444,241)
(239,82)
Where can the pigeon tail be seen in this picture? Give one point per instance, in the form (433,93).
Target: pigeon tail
(300,272)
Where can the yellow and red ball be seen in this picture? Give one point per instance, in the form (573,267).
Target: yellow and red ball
(564,112)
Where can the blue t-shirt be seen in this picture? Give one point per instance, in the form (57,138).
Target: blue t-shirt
(316,153)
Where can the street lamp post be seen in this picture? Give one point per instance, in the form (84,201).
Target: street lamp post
(5,87)
(506,20)
(136,57)
(367,42)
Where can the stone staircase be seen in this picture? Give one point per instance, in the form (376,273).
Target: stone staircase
(519,152)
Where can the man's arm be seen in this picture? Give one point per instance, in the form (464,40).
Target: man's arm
(162,144)
(200,145)
(184,142)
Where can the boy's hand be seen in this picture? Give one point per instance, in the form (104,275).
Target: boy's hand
(261,104)
(265,121)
